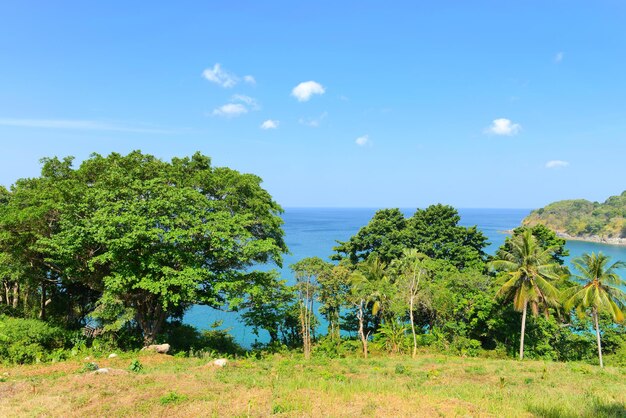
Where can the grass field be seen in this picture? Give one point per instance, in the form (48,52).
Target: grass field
(430,385)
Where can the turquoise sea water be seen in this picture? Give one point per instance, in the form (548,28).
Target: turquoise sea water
(314,231)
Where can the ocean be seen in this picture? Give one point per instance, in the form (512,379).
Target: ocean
(313,232)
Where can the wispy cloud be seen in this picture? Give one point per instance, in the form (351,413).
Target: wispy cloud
(249,101)
(559,57)
(556,164)
(313,122)
(363,141)
(249,79)
(239,105)
(503,126)
(79,124)
(230,110)
(270,124)
(224,78)
(305,90)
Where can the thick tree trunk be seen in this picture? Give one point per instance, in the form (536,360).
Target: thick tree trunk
(413,328)
(595,320)
(151,320)
(521,341)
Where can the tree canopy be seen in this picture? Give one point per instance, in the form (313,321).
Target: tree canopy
(434,231)
(155,236)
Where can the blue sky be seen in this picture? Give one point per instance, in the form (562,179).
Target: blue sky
(399,104)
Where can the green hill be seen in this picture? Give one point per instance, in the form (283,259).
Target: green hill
(582,219)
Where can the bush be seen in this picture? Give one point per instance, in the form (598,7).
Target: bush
(186,338)
(466,347)
(329,347)
(25,341)
(135,366)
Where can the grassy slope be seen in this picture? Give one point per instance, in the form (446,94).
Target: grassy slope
(581,218)
(289,386)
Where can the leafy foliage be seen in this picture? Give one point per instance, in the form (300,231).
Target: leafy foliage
(433,231)
(24,341)
(137,237)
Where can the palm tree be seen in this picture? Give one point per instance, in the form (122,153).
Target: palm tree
(530,269)
(598,290)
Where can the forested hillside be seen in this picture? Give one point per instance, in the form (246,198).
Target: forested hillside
(584,219)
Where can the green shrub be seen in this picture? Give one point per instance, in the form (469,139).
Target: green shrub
(135,366)
(172,398)
(332,348)
(89,367)
(24,341)
(186,338)
(466,346)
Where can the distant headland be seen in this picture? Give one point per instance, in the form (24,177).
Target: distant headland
(583,220)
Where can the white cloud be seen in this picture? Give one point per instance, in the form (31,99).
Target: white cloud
(247,100)
(249,79)
(220,76)
(559,57)
(76,124)
(503,126)
(270,124)
(230,110)
(363,140)
(556,164)
(305,90)
(313,122)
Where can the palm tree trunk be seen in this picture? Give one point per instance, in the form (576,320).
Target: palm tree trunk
(595,319)
(521,340)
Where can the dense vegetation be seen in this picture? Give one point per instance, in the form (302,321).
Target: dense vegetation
(582,218)
(111,254)
(126,243)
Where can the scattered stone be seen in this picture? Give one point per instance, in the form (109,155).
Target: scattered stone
(220,362)
(112,355)
(159,348)
(110,371)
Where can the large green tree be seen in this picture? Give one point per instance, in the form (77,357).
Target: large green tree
(153,236)
(385,236)
(434,231)
(598,290)
(530,271)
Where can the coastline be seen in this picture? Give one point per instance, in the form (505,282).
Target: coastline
(618,242)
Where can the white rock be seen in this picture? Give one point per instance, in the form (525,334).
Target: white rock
(159,348)
(112,355)
(103,370)
(220,362)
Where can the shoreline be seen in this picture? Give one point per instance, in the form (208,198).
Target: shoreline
(617,242)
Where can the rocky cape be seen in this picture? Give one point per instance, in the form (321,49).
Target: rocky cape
(584,220)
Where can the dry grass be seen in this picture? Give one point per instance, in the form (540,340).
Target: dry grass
(289,386)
